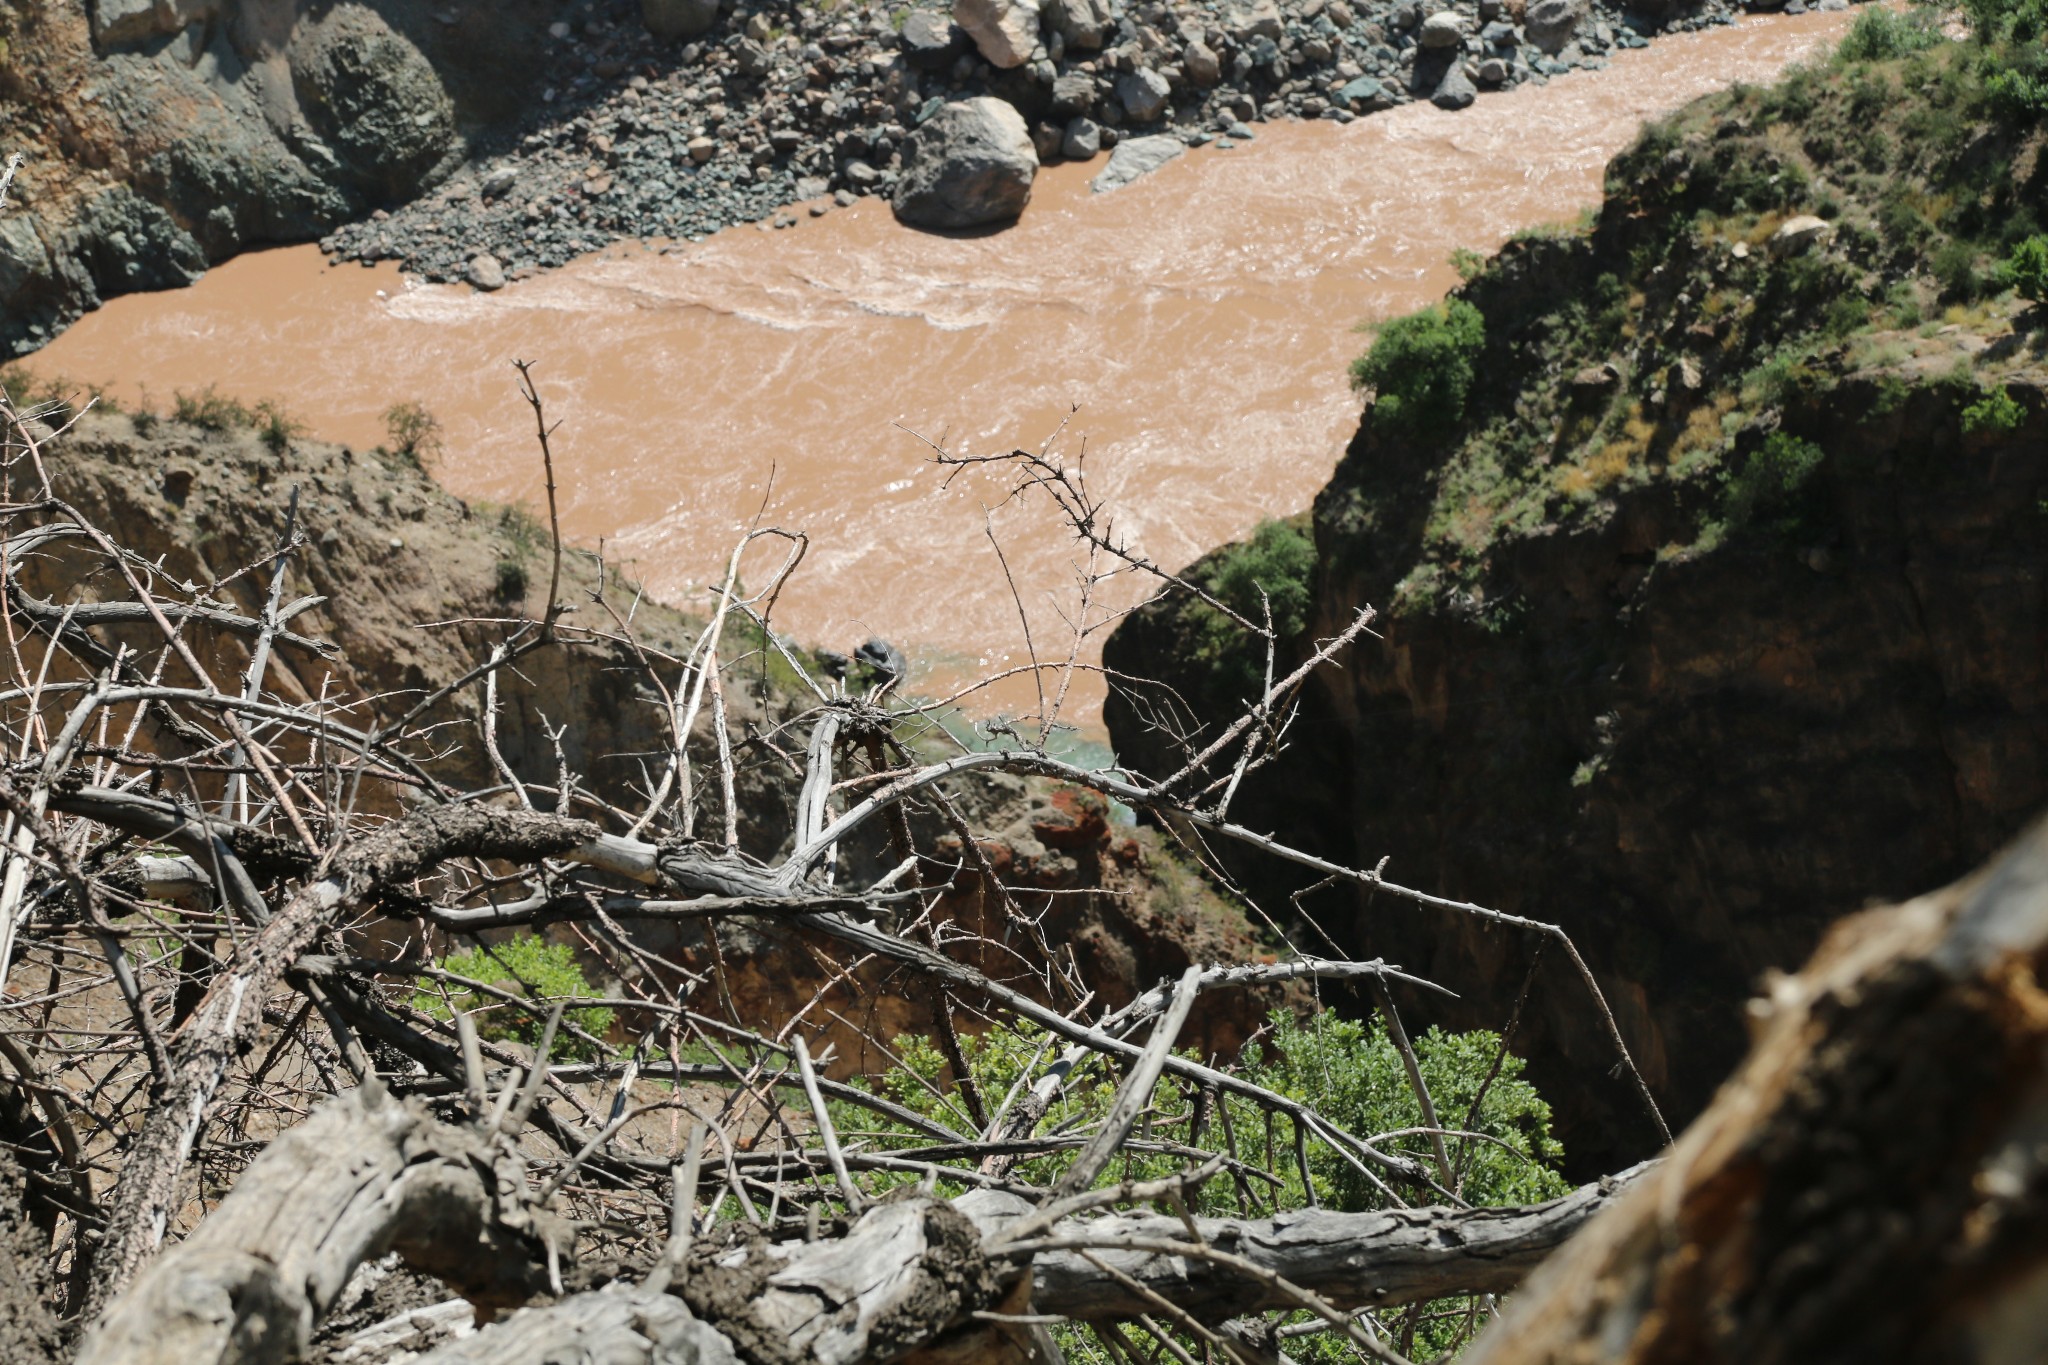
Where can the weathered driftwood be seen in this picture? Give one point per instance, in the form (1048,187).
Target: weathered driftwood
(365,1175)
(616,1325)
(1871,1185)
(1352,1260)
(369,1173)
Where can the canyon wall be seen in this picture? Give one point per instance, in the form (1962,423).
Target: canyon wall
(161,136)
(1715,610)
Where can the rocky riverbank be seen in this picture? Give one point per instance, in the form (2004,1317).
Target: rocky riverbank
(638,137)
(162,138)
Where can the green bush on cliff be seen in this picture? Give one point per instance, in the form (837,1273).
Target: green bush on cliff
(1349,1071)
(1997,410)
(1881,35)
(1277,561)
(1421,368)
(2025,268)
(527,966)
(1770,479)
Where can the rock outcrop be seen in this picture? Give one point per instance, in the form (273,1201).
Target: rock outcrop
(159,138)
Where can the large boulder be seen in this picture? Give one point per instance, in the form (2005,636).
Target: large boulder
(1134,157)
(1005,30)
(672,19)
(375,101)
(969,165)
(1084,25)
(1550,24)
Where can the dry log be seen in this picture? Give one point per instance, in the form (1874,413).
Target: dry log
(365,1175)
(1871,1185)
(616,1325)
(1353,1260)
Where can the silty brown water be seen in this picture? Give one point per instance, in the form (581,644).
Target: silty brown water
(1189,333)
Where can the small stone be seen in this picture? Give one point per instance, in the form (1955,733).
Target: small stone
(701,149)
(927,40)
(1073,94)
(1083,140)
(1139,156)
(1455,90)
(1144,95)
(844,198)
(1492,71)
(1203,67)
(1446,28)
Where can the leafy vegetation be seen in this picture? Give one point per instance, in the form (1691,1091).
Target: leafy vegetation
(1501,1152)
(1677,344)
(414,432)
(2025,269)
(508,989)
(1997,410)
(1881,35)
(1421,367)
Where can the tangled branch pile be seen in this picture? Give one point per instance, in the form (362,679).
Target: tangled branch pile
(300,1054)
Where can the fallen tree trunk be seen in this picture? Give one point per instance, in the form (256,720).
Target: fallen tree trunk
(369,1173)
(1351,1260)
(365,1175)
(1872,1185)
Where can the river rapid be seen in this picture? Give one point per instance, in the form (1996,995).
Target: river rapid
(1188,334)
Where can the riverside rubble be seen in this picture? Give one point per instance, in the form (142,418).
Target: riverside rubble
(641,138)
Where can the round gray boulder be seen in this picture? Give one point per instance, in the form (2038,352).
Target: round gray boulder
(1442,29)
(969,165)
(1550,24)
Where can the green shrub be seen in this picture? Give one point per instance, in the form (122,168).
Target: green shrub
(1954,265)
(415,433)
(211,410)
(1347,1070)
(1770,479)
(1278,560)
(275,427)
(528,965)
(1421,367)
(1880,35)
(1997,410)
(1469,264)
(2025,269)
(2018,21)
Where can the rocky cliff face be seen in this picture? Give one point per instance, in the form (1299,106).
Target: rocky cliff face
(161,136)
(1717,609)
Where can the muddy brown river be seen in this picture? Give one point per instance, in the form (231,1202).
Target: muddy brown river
(1189,333)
